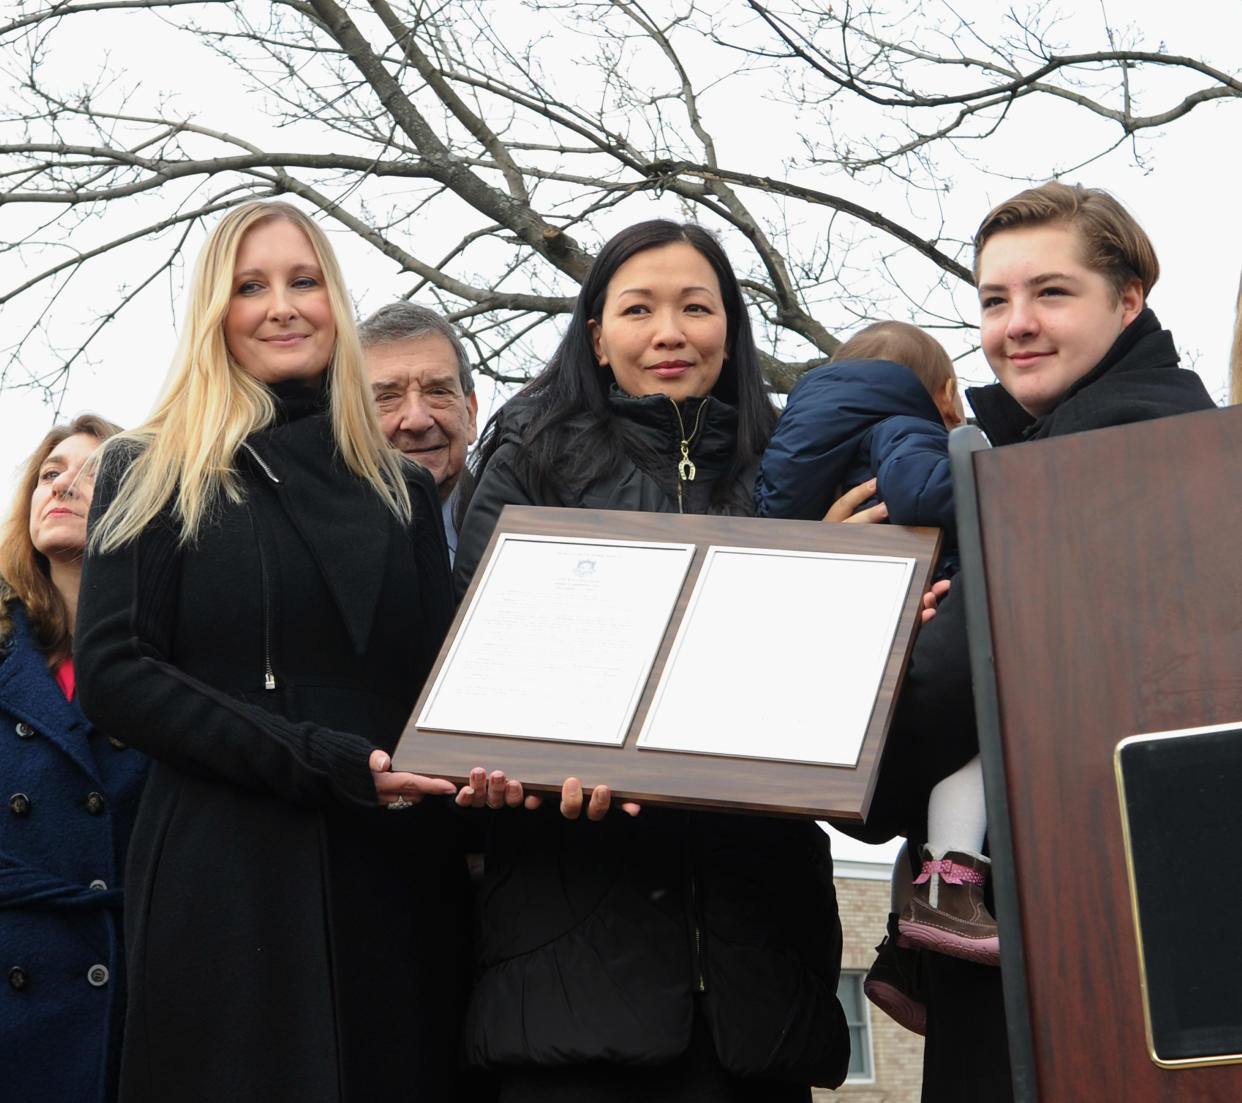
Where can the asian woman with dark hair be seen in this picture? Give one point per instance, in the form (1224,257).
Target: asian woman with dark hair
(667,955)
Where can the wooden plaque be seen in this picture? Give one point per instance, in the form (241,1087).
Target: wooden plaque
(734,651)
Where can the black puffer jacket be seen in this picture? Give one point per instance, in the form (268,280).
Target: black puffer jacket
(602,941)
(709,425)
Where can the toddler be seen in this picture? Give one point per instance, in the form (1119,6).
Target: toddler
(882,409)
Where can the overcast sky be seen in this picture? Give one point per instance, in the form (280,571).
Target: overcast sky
(1184,192)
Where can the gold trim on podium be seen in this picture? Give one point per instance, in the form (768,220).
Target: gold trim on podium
(1135,911)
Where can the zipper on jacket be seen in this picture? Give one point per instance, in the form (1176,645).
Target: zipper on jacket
(259,460)
(685,465)
(698,936)
(269,676)
(700,972)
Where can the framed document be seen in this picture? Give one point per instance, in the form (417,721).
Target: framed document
(606,603)
(699,661)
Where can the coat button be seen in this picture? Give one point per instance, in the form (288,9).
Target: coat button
(98,884)
(24,730)
(18,978)
(95,804)
(97,975)
(19,804)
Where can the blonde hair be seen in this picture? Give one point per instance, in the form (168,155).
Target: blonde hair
(25,574)
(903,344)
(210,404)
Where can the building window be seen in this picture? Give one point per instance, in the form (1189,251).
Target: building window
(850,993)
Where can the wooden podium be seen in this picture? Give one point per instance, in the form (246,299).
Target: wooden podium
(1103,579)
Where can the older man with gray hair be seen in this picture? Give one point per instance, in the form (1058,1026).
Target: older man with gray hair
(424,394)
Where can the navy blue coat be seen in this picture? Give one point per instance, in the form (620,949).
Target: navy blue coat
(70,797)
(847,422)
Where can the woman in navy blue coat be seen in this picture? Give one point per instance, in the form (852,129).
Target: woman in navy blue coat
(69,800)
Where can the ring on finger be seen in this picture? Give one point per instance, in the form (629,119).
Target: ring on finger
(400,803)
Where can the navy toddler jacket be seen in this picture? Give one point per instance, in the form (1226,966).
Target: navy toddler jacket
(848,421)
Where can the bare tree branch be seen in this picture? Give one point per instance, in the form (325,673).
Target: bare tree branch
(482,151)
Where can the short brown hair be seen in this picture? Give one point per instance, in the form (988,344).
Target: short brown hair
(903,344)
(24,572)
(1114,244)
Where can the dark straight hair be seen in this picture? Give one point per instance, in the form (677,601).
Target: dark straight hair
(575,385)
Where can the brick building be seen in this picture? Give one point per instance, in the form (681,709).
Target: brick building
(887,1060)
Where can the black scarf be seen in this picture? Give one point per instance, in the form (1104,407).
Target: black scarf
(329,505)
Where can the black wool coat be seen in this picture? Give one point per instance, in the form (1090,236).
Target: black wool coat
(287,938)
(602,942)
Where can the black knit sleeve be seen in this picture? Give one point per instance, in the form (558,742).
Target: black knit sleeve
(130,690)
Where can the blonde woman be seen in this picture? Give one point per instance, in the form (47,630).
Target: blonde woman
(266,587)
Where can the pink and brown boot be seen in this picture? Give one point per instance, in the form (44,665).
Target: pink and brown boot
(947,914)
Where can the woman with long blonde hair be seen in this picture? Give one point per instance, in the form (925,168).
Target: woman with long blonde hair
(71,797)
(266,588)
